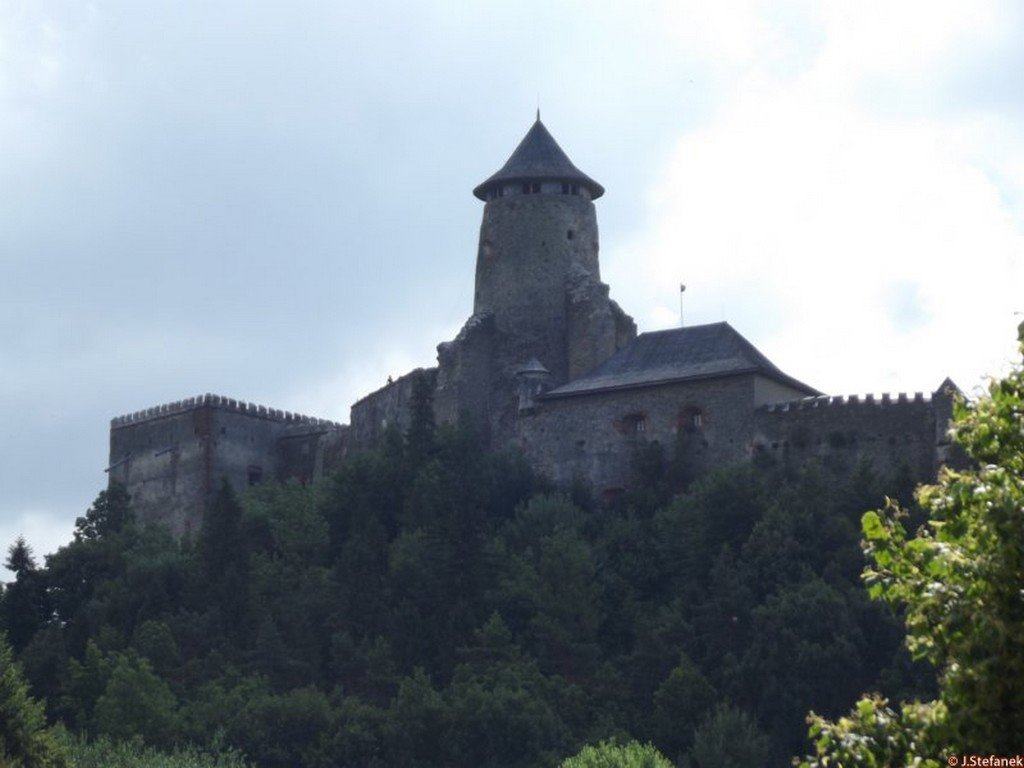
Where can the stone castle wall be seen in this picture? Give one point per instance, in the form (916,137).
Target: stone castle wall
(388,407)
(719,422)
(595,437)
(888,432)
(172,458)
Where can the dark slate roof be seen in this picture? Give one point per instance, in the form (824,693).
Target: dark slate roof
(539,158)
(678,354)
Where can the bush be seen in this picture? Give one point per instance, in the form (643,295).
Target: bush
(104,753)
(610,755)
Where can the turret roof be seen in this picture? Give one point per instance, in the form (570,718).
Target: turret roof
(539,158)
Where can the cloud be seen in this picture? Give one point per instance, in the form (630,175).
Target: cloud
(864,249)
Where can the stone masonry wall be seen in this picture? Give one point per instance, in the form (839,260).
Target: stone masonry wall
(171,458)
(532,247)
(595,437)
(888,432)
(387,407)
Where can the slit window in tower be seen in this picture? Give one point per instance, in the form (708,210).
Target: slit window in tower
(575,189)
(570,235)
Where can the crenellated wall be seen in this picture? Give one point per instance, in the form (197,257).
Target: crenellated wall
(887,431)
(172,457)
(711,423)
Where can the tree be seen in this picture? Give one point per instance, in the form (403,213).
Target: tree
(109,514)
(25,741)
(137,702)
(610,755)
(24,607)
(680,704)
(728,738)
(959,580)
(20,559)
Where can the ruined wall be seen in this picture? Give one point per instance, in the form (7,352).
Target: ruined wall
(596,326)
(471,383)
(595,437)
(387,407)
(172,458)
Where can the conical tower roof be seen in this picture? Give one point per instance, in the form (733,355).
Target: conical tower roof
(539,158)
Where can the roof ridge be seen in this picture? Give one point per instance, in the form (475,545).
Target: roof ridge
(684,328)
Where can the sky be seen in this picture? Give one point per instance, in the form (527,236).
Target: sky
(271,201)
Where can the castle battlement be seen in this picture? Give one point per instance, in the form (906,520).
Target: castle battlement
(224,403)
(883,400)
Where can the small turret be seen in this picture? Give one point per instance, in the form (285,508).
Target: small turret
(532,380)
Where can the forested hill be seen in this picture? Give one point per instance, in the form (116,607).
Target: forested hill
(435,605)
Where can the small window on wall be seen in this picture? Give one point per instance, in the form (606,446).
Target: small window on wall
(255,474)
(633,424)
(691,419)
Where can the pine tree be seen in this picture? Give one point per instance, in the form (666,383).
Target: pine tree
(25,741)
(20,559)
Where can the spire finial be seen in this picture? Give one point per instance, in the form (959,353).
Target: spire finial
(538,114)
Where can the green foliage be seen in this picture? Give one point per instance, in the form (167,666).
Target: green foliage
(610,755)
(104,753)
(136,702)
(960,581)
(25,741)
(729,738)
(432,604)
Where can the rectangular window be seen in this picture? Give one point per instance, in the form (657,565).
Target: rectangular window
(255,474)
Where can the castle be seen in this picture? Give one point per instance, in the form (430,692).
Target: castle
(546,362)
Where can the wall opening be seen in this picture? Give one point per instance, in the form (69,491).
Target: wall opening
(691,419)
(254,474)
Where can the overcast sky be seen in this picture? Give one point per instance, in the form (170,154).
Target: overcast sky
(272,201)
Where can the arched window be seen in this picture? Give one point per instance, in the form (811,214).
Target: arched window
(633,424)
(691,419)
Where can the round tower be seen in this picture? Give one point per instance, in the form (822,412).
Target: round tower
(538,239)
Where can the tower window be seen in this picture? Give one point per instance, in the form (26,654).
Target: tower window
(570,235)
(526,189)
(565,189)
(574,189)
(255,474)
